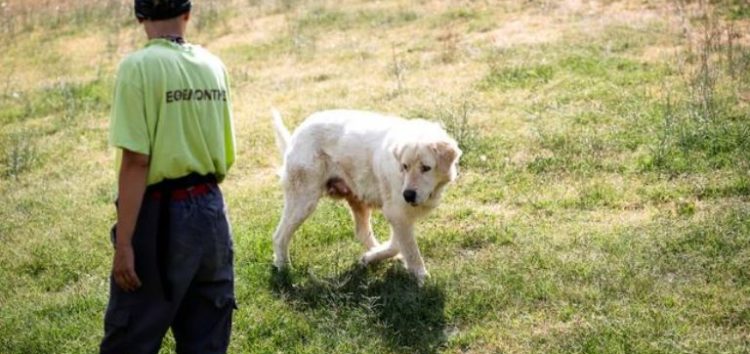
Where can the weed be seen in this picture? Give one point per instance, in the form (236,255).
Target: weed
(20,155)
(456,120)
(449,52)
(702,121)
(398,70)
(73,100)
(303,45)
(456,117)
(660,152)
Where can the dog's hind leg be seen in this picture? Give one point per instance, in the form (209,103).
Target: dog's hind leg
(362,228)
(298,205)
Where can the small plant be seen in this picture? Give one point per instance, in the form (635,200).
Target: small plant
(70,102)
(455,119)
(302,45)
(398,70)
(19,156)
(450,51)
(663,146)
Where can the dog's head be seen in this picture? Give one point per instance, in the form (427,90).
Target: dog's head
(427,165)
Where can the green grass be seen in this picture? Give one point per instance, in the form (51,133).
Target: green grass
(601,206)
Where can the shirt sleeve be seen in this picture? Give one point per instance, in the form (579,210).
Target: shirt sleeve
(229,126)
(128,127)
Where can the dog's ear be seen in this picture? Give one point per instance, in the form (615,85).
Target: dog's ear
(447,152)
(447,155)
(398,151)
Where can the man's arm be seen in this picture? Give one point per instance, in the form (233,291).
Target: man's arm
(131,187)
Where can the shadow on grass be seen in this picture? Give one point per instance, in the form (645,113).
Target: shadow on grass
(411,318)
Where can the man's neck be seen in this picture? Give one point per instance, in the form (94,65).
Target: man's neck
(165,34)
(165,29)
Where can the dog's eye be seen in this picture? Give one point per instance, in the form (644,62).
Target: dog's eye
(426,168)
(404,167)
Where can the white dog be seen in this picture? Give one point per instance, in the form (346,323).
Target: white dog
(371,161)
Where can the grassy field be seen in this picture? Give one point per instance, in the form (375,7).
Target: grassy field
(602,204)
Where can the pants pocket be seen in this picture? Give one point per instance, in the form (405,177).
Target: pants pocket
(225,305)
(226,302)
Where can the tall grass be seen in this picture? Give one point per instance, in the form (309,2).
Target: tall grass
(20,154)
(704,118)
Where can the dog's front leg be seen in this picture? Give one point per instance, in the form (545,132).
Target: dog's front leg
(404,235)
(402,240)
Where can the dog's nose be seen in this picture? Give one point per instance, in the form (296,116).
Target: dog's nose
(410,195)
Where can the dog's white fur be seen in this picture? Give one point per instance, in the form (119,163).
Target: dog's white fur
(371,161)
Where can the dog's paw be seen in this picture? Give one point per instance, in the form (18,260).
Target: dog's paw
(363,261)
(281,264)
(421,276)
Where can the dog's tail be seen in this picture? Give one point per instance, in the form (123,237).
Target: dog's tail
(282,133)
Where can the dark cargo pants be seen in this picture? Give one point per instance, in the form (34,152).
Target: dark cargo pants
(201,275)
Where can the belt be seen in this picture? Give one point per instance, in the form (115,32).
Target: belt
(184,193)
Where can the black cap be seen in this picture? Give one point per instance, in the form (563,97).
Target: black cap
(160,9)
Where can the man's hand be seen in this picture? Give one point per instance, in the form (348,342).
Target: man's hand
(123,269)
(131,186)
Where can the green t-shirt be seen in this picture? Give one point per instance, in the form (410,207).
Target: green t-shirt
(172,103)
